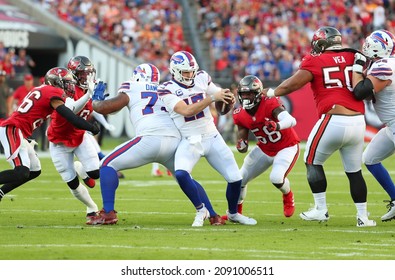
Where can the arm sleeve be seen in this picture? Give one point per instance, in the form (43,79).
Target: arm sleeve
(100,118)
(285,120)
(77,105)
(75,120)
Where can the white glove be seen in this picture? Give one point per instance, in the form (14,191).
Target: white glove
(109,127)
(359,63)
(90,80)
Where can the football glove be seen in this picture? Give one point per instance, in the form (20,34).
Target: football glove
(271,125)
(242,145)
(95,128)
(98,93)
(359,62)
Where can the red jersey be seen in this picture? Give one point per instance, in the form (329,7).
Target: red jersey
(35,109)
(62,131)
(269,142)
(332,71)
(20,93)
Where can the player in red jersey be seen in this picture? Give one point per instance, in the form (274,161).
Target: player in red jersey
(277,144)
(34,110)
(67,141)
(341,124)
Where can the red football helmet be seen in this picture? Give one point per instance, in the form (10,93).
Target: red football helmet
(61,78)
(81,66)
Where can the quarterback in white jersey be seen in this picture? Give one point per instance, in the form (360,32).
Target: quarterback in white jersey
(156,137)
(200,136)
(379,85)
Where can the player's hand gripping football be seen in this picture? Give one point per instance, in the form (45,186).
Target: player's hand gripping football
(224,95)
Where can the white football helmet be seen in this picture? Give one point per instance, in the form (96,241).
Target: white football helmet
(183,61)
(379,44)
(146,73)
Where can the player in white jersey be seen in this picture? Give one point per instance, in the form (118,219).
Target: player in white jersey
(379,85)
(200,136)
(156,137)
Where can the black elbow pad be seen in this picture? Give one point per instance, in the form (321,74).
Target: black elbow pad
(363,89)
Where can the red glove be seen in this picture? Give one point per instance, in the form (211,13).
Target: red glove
(271,125)
(242,145)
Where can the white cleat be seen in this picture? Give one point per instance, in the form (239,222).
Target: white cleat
(241,219)
(363,221)
(201,216)
(390,215)
(315,214)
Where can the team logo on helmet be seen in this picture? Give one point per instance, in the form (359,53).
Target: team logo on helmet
(177,59)
(140,70)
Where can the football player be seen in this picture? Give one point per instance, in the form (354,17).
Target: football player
(36,107)
(341,124)
(379,84)
(200,136)
(156,137)
(277,142)
(66,141)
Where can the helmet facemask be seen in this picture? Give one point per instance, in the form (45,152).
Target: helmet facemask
(182,62)
(249,92)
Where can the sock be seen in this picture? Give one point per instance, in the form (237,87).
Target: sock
(82,194)
(320,200)
(108,183)
(101,155)
(188,186)
(155,166)
(285,188)
(381,174)
(362,209)
(232,195)
(205,199)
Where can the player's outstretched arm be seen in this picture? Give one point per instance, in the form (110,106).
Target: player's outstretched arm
(111,105)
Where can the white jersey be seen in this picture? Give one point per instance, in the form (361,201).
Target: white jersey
(384,69)
(172,92)
(147,112)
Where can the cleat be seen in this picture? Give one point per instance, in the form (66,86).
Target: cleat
(109,218)
(93,218)
(315,214)
(217,221)
(390,215)
(169,173)
(241,219)
(157,173)
(120,175)
(201,215)
(239,210)
(89,182)
(363,221)
(289,204)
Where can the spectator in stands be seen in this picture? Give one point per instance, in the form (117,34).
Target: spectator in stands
(23,62)
(5,96)
(23,90)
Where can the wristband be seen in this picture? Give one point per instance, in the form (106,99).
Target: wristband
(270,93)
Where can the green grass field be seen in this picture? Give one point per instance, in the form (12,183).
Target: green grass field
(41,220)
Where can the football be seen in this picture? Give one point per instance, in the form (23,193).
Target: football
(223,108)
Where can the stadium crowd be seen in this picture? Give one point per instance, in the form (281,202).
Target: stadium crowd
(264,38)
